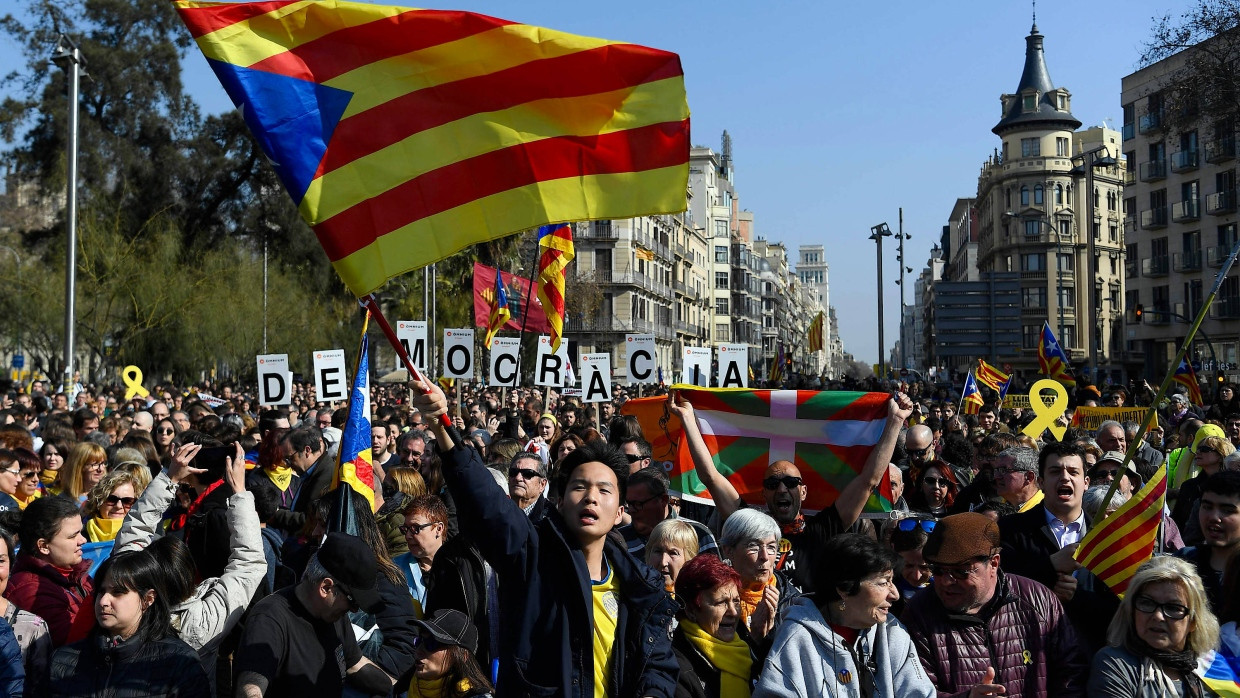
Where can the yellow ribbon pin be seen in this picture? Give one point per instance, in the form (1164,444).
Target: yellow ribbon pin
(132,375)
(1044,416)
(1025,653)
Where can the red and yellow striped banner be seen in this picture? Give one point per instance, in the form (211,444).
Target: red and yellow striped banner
(406,135)
(1115,548)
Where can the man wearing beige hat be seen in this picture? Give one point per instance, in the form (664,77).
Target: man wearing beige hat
(983,632)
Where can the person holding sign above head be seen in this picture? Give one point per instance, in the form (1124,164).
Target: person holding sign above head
(784,490)
(582,617)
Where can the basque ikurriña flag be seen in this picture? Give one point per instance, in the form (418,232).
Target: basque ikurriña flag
(405,135)
(827,435)
(354,466)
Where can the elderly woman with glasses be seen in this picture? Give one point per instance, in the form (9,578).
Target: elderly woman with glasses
(107,504)
(751,544)
(850,641)
(1164,623)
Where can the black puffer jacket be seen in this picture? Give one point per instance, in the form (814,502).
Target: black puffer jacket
(458,580)
(98,667)
(1021,632)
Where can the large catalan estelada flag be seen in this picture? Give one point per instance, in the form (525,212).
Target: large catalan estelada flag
(1115,548)
(354,466)
(827,435)
(993,378)
(1219,669)
(500,313)
(555,244)
(1187,377)
(405,135)
(970,397)
(1052,359)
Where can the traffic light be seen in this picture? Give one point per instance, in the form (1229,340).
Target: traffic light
(1140,311)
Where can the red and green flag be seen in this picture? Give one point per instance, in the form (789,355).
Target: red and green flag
(828,435)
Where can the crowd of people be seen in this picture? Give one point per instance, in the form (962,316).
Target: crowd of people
(536,548)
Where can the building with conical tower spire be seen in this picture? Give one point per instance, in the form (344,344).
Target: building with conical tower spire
(1035,218)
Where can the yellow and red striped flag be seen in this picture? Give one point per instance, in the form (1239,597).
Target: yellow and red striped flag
(991,377)
(556,244)
(815,333)
(970,398)
(405,135)
(1115,548)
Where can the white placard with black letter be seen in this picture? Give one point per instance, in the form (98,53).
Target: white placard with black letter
(695,366)
(412,336)
(733,366)
(551,369)
(504,352)
(330,376)
(275,383)
(596,377)
(458,353)
(640,365)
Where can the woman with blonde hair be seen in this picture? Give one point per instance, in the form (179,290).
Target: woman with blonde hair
(672,543)
(107,504)
(1163,625)
(84,467)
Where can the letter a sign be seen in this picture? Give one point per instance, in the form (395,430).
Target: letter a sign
(596,377)
(733,366)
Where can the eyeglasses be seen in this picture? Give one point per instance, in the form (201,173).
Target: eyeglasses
(426,643)
(1103,473)
(919,452)
(415,529)
(1170,611)
(926,525)
(957,572)
(788,481)
(772,549)
(165,432)
(633,457)
(17,472)
(937,482)
(527,473)
(635,504)
(123,501)
(97,466)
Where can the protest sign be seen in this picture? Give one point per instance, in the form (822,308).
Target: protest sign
(640,360)
(596,377)
(504,353)
(274,380)
(733,366)
(458,353)
(330,375)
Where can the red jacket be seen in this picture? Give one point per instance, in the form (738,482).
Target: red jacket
(1022,632)
(66,602)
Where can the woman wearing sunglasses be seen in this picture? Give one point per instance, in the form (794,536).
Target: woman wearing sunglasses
(107,503)
(425,530)
(444,664)
(936,489)
(1163,624)
(850,644)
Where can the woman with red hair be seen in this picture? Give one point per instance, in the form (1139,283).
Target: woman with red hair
(936,489)
(273,466)
(714,660)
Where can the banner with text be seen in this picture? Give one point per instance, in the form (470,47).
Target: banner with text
(1092,417)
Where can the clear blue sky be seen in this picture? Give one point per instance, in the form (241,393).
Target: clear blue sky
(841,113)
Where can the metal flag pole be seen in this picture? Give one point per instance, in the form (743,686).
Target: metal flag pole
(69,57)
(1152,412)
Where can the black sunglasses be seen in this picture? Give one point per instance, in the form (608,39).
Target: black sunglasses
(427,643)
(527,473)
(415,529)
(773,483)
(114,500)
(633,457)
(344,591)
(919,452)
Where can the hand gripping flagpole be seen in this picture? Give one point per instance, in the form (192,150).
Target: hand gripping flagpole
(368,301)
(1151,413)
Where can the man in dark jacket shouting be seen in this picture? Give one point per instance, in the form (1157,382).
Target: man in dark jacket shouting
(579,616)
(986,633)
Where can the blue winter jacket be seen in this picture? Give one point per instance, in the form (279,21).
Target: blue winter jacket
(546,645)
(12,670)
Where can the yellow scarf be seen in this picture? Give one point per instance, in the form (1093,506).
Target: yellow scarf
(48,477)
(429,688)
(23,503)
(751,596)
(102,530)
(732,659)
(282,475)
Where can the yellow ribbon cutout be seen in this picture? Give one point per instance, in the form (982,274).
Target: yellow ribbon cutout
(1045,416)
(132,375)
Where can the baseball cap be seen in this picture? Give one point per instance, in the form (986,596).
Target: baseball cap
(351,564)
(451,627)
(1115,456)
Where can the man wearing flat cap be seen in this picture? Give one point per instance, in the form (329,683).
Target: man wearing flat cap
(983,632)
(298,641)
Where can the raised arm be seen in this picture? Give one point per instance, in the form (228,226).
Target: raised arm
(142,522)
(726,498)
(853,497)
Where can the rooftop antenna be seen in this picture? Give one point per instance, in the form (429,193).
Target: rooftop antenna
(1035,15)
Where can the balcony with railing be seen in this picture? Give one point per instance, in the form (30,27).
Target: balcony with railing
(1221,202)
(1215,256)
(1150,122)
(1154,218)
(1154,266)
(1130,177)
(1034,274)
(1184,160)
(599,230)
(1186,261)
(1221,149)
(603,323)
(1153,170)
(1186,210)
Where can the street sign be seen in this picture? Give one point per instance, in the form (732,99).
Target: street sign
(19,361)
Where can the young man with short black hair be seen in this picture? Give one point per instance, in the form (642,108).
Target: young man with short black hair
(1218,512)
(582,617)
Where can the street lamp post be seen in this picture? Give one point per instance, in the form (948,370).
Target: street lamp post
(902,236)
(877,233)
(1091,160)
(70,59)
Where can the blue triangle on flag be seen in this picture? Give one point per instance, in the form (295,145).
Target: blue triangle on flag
(293,119)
